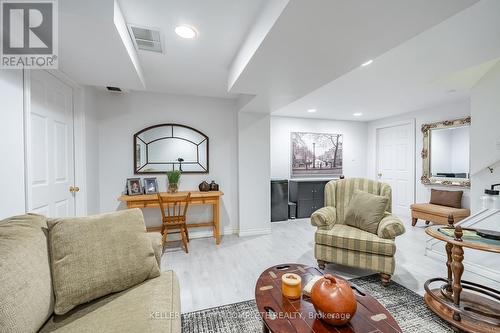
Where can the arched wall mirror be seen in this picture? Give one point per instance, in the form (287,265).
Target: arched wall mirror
(167,147)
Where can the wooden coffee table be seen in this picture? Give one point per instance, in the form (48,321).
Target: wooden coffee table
(283,315)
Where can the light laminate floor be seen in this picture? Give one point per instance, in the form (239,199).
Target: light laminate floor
(213,275)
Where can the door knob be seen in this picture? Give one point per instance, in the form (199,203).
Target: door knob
(74,189)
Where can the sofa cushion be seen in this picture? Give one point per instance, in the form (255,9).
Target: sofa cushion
(440,210)
(347,237)
(153,306)
(447,198)
(365,211)
(98,255)
(26,296)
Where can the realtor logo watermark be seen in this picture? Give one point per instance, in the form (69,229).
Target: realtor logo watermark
(29,34)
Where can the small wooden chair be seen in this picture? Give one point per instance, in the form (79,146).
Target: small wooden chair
(173,213)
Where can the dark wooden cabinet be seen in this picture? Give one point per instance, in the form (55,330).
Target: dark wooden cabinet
(309,195)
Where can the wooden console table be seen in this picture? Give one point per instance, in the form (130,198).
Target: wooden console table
(469,306)
(197,198)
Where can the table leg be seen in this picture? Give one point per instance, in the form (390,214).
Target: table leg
(458,269)
(448,248)
(216,215)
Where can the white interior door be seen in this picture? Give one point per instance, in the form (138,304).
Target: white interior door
(50,149)
(395,164)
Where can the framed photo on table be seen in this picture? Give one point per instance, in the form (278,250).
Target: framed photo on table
(134,186)
(151,185)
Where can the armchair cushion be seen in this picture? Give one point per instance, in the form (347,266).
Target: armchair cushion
(351,238)
(390,227)
(324,217)
(98,255)
(365,211)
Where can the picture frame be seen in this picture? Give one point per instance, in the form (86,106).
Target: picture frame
(316,154)
(134,186)
(151,185)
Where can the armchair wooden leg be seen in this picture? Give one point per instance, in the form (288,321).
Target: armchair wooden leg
(414,221)
(385,278)
(322,264)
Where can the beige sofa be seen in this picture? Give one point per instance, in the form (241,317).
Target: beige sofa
(337,242)
(27,290)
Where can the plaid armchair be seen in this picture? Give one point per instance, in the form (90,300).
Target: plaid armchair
(336,242)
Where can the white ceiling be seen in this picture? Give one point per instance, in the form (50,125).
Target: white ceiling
(287,56)
(91,50)
(437,66)
(316,41)
(199,66)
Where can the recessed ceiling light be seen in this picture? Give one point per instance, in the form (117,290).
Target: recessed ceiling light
(312,110)
(367,63)
(357,114)
(186,31)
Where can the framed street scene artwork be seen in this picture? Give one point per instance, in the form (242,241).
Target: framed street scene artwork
(316,154)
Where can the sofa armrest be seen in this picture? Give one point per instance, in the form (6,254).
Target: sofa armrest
(157,248)
(324,217)
(390,226)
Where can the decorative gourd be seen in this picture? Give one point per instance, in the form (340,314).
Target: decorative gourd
(334,300)
(204,186)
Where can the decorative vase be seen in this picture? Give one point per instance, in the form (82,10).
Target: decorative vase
(173,188)
(204,187)
(334,300)
(214,186)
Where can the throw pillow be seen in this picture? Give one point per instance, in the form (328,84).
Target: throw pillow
(447,198)
(98,255)
(365,211)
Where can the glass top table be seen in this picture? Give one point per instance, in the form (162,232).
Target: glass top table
(469,306)
(476,242)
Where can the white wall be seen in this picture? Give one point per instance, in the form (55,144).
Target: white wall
(485,134)
(449,111)
(122,115)
(441,152)
(450,150)
(254,173)
(460,147)
(12,143)
(91,150)
(354,144)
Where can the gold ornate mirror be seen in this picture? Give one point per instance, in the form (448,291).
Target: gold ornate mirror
(446,153)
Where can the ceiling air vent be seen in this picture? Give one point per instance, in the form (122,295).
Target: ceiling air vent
(114,89)
(145,39)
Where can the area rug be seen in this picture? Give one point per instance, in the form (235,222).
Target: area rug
(406,306)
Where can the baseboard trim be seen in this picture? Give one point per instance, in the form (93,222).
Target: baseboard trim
(253,232)
(203,234)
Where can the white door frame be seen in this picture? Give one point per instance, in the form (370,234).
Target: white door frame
(413,150)
(78,139)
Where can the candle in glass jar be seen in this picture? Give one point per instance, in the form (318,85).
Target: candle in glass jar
(291,286)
